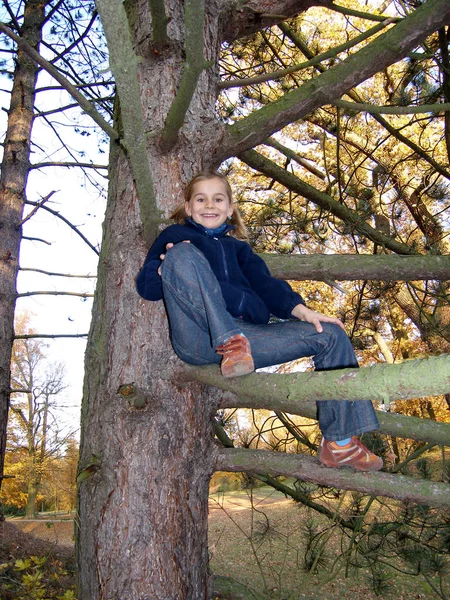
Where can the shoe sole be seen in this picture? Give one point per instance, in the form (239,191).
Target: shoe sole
(349,466)
(239,369)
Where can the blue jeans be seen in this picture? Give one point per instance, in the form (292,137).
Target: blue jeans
(199,322)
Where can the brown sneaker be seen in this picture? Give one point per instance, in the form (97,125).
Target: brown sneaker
(237,358)
(354,455)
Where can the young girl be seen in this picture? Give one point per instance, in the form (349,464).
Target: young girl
(219,296)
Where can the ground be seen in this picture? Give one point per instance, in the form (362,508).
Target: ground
(257,537)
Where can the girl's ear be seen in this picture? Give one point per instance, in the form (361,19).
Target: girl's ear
(187,209)
(230,210)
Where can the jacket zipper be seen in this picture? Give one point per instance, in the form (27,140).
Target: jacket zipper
(224,260)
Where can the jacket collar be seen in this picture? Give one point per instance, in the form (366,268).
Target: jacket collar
(212,233)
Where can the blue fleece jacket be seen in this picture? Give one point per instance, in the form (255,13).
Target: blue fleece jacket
(249,290)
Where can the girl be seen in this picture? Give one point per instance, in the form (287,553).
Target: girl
(219,296)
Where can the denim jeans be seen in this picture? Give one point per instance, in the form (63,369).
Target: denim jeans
(199,322)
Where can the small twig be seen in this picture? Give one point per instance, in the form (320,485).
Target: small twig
(35,239)
(35,209)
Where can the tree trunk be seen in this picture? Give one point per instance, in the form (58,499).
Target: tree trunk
(146,458)
(13,179)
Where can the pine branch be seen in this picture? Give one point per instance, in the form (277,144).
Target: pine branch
(332,53)
(159,22)
(124,65)
(392,110)
(264,165)
(296,393)
(194,23)
(76,95)
(308,468)
(356,267)
(386,49)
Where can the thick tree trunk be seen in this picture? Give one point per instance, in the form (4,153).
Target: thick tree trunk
(146,457)
(13,179)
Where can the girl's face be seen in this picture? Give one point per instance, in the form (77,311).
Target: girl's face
(209,204)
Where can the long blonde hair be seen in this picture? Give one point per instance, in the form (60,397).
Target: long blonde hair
(179,215)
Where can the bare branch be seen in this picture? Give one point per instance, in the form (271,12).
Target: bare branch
(31,336)
(35,239)
(68,165)
(59,215)
(58,274)
(51,293)
(159,22)
(307,468)
(36,208)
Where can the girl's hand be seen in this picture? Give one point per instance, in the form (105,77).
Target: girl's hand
(303,313)
(168,247)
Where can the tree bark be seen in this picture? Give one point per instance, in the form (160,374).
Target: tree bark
(13,179)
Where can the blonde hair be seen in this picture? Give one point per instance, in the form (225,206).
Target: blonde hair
(179,215)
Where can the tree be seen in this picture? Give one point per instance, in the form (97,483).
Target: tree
(33,409)
(146,451)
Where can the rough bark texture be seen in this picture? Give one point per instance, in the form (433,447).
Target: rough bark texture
(13,179)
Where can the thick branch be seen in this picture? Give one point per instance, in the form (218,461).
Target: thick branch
(124,65)
(84,104)
(355,267)
(159,22)
(392,110)
(239,19)
(385,50)
(264,165)
(194,23)
(307,468)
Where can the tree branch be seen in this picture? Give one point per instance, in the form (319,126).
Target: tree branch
(264,165)
(66,221)
(355,267)
(51,293)
(336,81)
(392,110)
(194,23)
(31,336)
(124,65)
(85,104)
(239,19)
(307,468)
(159,22)
(57,274)
(296,393)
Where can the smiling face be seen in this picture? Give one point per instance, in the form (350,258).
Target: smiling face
(209,204)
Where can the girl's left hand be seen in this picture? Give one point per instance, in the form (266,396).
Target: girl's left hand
(303,313)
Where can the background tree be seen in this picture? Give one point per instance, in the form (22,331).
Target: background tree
(35,387)
(68,33)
